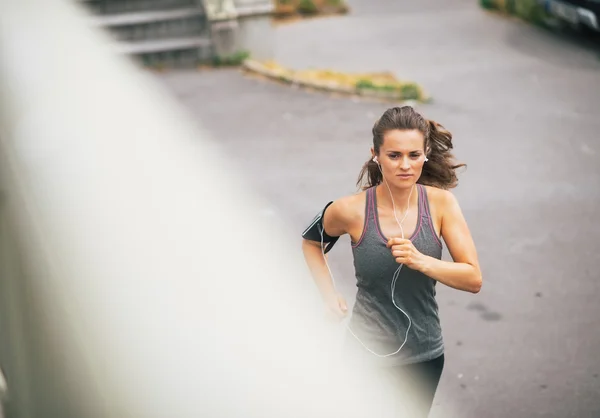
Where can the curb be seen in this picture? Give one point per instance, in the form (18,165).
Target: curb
(331,87)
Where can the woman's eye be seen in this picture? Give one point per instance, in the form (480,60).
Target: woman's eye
(415,156)
(393,156)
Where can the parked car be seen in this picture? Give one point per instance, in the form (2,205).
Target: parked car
(579,13)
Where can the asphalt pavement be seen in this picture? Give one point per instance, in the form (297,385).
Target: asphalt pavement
(524,107)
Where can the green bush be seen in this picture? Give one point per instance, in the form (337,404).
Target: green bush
(488,4)
(410,92)
(365,84)
(529,10)
(232,60)
(388,88)
(307,7)
(510,6)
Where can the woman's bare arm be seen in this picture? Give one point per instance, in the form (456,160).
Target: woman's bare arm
(464,273)
(336,223)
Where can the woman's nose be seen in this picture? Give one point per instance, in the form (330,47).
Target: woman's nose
(405,164)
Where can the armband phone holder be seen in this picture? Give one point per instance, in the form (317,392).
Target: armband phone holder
(316,232)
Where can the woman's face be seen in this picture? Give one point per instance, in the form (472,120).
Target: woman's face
(401,157)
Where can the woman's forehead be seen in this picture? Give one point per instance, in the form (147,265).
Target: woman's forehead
(403,140)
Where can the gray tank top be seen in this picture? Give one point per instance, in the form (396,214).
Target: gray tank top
(375,320)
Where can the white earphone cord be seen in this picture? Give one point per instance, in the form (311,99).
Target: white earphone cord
(394,279)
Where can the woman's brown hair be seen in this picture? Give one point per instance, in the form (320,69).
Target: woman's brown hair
(438,171)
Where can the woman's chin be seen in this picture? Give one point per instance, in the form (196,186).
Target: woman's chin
(403,184)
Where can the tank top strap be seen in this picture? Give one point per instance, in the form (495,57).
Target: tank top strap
(423,204)
(421,190)
(426,214)
(369,223)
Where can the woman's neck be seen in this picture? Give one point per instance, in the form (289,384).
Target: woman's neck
(401,197)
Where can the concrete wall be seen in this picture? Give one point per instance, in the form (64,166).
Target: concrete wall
(242,25)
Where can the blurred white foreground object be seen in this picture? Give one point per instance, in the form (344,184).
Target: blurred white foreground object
(137,275)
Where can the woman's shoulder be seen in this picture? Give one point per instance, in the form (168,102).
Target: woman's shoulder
(353,201)
(350,206)
(439,198)
(344,213)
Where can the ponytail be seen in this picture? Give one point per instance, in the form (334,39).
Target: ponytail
(369,175)
(440,170)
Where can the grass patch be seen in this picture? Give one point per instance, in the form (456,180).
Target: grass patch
(384,85)
(402,90)
(299,8)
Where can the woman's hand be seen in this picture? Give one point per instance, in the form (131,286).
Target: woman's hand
(405,253)
(336,307)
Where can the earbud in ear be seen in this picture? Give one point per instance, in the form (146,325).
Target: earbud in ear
(426,159)
(375,160)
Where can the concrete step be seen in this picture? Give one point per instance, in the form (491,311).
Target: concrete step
(155,26)
(107,7)
(156,32)
(145,17)
(184,58)
(163,45)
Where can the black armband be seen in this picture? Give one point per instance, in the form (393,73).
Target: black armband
(316,232)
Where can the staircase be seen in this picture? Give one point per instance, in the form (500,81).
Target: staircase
(169,33)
